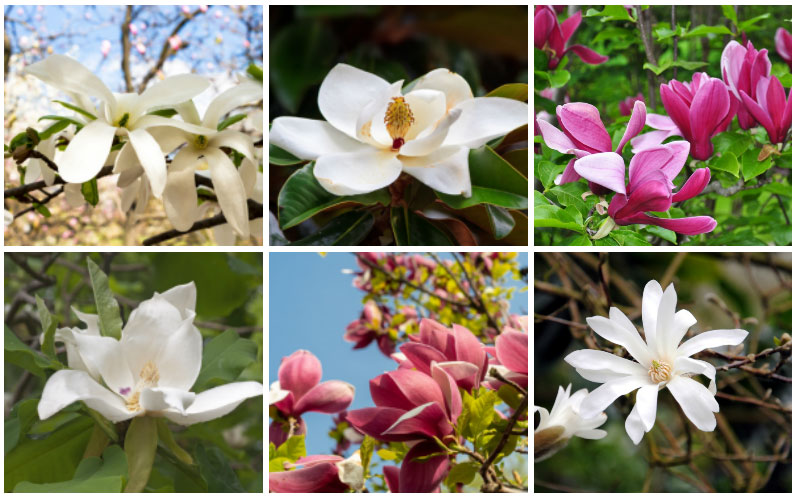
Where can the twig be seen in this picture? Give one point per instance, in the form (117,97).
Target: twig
(502,441)
(21,191)
(753,401)
(560,321)
(126,48)
(165,50)
(255,212)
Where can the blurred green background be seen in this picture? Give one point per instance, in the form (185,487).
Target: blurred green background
(754,287)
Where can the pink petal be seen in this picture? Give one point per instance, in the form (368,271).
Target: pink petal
(423,476)
(318,478)
(554,138)
(648,140)
(421,355)
(677,110)
(299,372)
(278,431)
(434,334)
(687,225)
(606,169)
(761,116)
(327,397)
(650,195)
(774,95)
(512,348)
(466,375)
(467,347)
(374,421)
(405,389)
(569,25)
(662,122)
(786,120)
(582,123)
(784,44)
(710,106)
(587,55)
(569,175)
(636,123)
(391,474)
(695,184)
(544,23)
(454,403)
(429,419)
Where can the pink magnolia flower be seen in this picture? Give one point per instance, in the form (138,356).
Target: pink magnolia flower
(701,109)
(771,109)
(627,105)
(456,350)
(512,358)
(583,134)
(665,128)
(651,175)
(370,327)
(319,474)
(551,37)
(784,45)
(412,406)
(298,391)
(105,48)
(742,67)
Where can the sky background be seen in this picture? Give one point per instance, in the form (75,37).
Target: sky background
(310,304)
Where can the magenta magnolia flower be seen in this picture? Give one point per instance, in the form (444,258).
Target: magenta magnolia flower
(784,45)
(370,327)
(771,109)
(627,105)
(512,358)
(298,391)
(742,67)
(320,474)
(551,37)
(651,174)
(412,406)
(665,128)
(456,350)
(583,133)
(701,109)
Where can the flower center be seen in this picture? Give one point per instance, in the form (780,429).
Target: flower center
(659,371)
(123,121)
(398,119)
(148,377)
(201,141)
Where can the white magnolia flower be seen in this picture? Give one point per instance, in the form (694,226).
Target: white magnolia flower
(564,422)
(149,371)
(123,114)
(658,362)
(373,132)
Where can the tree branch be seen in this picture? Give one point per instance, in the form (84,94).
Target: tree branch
(165,50)
(255,212)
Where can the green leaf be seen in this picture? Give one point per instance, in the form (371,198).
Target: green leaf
(215,469)
(19,354)
(661,232)
(92,476)
(747,25)
(514,91)
(481,411)
(167,112)
(77,109)
(43,428)
(230,121)
(58,126)
(42,209)
(411,229)
(107,308)
(345,230)
(726,162)
(580,240)
(493,180)
(510,396)
(90,192)
(752,167)
(729,13)
(462,473)
(141,442)
(547,172)
(300,55)
(703,30)
(48,328)
(780,189)
(23,415)
(386,454)
(629,238)
(302,197)
(293,449)
(366,451)
(223,359)
(165,436)
(611,13)
(559,78)
(256,72)
(733,142)
(52,459)
(501,222)
(278,156)
(60,120)
(563,218)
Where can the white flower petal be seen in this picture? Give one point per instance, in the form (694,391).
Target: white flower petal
(357,172)
(168,137)
(241,94)
(188,111)
(224,235)
(634,426)
(91,320)
(229,190)
(276,393)
(712,339)
(180,360)
(86,153)
(665,330)
(688,365)
(486,118)
(162,398)
(601,360)
(603,396)
(106,356)
(652,294)
(310,139)
(615,330)
(370,126)
(344,92)
(445,170)
(428,107)
(73,195)
(170,92)
(429,143)
(236,140)
(451,84)
(593,433)
(216,402)
(599,375)
(69,75)
(646,404)
(183,297)
(67,386)
(250,176)
(151,159)
(127,166)
(147,330)
(696,402)
(148,121)
(180,193)
(682,321)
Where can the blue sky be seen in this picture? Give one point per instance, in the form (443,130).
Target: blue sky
(310,304)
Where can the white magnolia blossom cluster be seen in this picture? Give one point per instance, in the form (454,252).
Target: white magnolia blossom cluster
(126,130)
(658,362)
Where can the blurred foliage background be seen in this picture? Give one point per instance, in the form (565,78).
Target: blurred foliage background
(229,315)
(752,291)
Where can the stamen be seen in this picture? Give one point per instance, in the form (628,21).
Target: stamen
(398,119)
(659,371)
(148,377)
(201,141)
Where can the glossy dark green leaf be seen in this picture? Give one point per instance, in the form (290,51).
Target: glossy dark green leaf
(302,197)
(107,307)
(223,359)
(345,230)
(514,91)
(410,229)
(141,441)
(215,469)
(501,222)
(278,156)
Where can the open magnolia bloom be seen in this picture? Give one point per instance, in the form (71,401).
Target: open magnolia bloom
(659,362)
(320,474)
(373,132)
(122,114)
(558,427)
(149,371)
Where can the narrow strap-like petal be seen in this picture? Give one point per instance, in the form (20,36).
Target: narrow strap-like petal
(636,123)
(695,184)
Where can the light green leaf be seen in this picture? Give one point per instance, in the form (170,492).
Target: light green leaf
(165,436)
(19,354)
(729,13)
(386,454)
(90,192)
(223,359)
(107,307)
(48,328)
(92,476)
(611,13)
(366,451)
(551,216)
(141,442)
(230,121)
(216,471)
(780,189)
(726,162)
(514,91)
(293,449)
(77,109)
(559,78)
(752,167)
(462,473)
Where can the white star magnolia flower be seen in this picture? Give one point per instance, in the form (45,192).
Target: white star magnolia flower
(149,371)
(117,114)
(564,422)
(659,362)
(373,132)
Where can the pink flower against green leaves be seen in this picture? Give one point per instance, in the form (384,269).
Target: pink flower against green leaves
(583,133)
(651,175)
(298,391)
(701,109)
(551,36)
(626,105)
(665,128)
(771,109)
(512,358)
(742,67)
(784,45)
(370,326)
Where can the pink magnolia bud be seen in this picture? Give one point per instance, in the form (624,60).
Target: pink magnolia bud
(105,48)
(175,42)
(246,43)
(133,29)
(185,9)
(203,8)
(141,48)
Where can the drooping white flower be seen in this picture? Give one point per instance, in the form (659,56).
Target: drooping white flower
(658,362)
(123,114)
(149,371)
(373,132)
(564,422)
